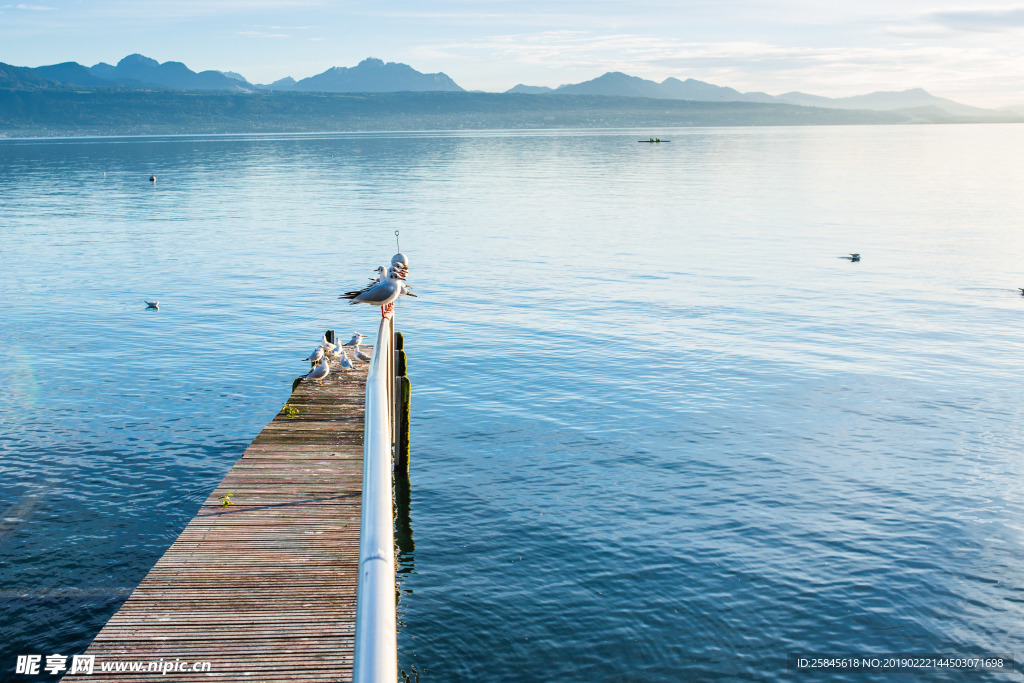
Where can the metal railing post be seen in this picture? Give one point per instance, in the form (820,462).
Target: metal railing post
(376,646)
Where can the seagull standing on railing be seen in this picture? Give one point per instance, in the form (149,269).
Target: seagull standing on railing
(382,294)
(320,372)
(382,275)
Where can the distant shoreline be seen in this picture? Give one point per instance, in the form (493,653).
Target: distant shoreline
(103,113)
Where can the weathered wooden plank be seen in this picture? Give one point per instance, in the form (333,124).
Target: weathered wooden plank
(265,588)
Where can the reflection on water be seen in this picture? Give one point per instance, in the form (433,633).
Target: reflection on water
(662,431)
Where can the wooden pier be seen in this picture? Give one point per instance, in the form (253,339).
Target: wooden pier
(264,589)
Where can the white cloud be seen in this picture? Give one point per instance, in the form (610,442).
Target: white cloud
(983,20)
(263,34)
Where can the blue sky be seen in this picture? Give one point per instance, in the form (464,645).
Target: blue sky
(973,53)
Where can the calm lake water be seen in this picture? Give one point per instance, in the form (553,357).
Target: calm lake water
(661,431)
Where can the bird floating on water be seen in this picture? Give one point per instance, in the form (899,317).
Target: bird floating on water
(851,257)
(1021,290)
(153,304)
(320,372)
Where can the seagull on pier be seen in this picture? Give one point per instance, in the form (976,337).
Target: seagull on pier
(316,356)
(343,362)
(356,339)
(359,355)
(320,372)
(153,304)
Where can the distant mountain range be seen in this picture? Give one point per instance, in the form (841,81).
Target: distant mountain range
(619,84)
(136,71)
(609,99)
(370,75)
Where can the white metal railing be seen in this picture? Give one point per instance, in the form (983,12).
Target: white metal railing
(376,652)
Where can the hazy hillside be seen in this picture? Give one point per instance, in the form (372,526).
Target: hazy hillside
(623,85)
(168,75)
(916,100)
(136,112)
(140,95)
(370,75)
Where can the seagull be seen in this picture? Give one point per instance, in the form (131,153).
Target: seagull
(327,346)
(382,276)
(317,354)
(153,304)
(381,294)
(359,355)
(356,339)
(320,372)
(343,361)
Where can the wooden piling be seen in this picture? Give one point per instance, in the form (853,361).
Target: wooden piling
(403,396)
(402,446)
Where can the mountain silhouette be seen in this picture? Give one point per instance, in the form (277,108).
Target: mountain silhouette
(370,75)
(615,83)
(175,75)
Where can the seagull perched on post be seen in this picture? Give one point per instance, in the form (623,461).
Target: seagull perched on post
(382,294)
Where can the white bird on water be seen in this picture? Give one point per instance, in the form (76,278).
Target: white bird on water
(320,372)
(153,304)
